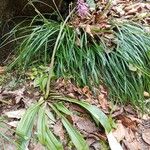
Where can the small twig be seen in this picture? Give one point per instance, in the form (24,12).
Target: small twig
(107,8)
(5,102)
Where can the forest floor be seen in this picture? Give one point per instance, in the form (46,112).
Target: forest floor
(131,126)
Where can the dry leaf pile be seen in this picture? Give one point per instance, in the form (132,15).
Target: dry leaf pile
(117,10)
(137,11)
(130,129)
(130,124)
(100,21)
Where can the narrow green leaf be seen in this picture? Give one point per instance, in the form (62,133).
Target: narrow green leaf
(24,128)
(52,142)
(45,136)
(63,109)
(94,111)
(41,126)
(98,114)
(75,135)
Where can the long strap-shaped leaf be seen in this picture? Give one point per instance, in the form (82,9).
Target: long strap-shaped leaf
(63,109)
(46,137)
(99,115)
(41,128)
(24,128)
(52,143)
(95,111)
(74,135)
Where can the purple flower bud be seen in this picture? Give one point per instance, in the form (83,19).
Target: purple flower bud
(82,8)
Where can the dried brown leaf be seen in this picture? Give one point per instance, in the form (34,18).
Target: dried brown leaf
(136,119)
(15,114)
(103,101)
(2,70)
(84,124)
(74,107)
(144,116)
(130,141)
(9,146)
(129,109)
(128,122)
(58,130)
(117,111)
(39,147)
(17,94)
(120,132)
(86,91)
(13,123)
(146,136)
(88,30)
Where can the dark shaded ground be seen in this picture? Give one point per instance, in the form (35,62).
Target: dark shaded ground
(13,12)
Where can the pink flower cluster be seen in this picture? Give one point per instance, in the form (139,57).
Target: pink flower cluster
(82,8)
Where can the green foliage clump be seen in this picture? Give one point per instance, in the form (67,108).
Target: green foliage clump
(45,110)
(125,70)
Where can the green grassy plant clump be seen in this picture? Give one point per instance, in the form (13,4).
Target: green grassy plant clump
(125,70)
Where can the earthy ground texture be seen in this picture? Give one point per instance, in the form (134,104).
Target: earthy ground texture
(131,126)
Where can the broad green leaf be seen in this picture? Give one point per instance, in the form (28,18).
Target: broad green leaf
(94,111)
(41,126)
(41,82)
(63,109)
(45,136)
(75,135)
(24,128)
(99,115)
(91,4)
(51,142)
